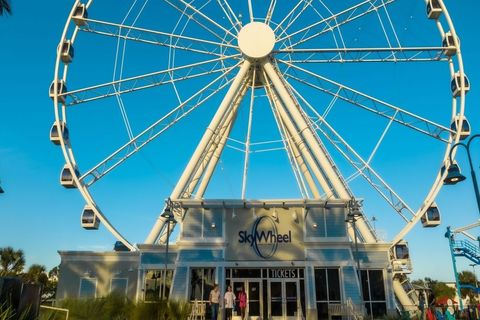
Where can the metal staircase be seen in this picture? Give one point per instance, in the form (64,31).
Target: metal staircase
(467,249)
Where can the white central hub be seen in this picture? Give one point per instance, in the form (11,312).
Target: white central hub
(256,40)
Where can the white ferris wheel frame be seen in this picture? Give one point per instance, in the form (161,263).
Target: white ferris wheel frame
(282,98)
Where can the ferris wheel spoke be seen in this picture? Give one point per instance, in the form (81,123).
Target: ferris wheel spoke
(324,25)
(141,82)
(154,37)
(363,167)
(374,105)
(342,55)
(228,12)
(201,14)
(306,4)
(288,16)
(271,9)
(156,129)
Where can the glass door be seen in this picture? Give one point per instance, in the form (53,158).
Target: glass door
(291,299)
(284,303)
(276,300)
(253,289)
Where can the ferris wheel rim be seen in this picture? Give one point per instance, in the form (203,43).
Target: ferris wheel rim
(458,108)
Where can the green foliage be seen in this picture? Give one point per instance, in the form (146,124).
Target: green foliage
(150,310)
(439,289)
(112,307)
(8,313)
(11,261)
(179,309)
(469,278)
(115,307)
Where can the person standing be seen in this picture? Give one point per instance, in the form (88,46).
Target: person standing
(229,300)
(214,299)
(242,302)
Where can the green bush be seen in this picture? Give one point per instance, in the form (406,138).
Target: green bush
(112,307)
(118,308)
(178,309)
(150,310)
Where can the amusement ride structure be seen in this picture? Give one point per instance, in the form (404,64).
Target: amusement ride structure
(300,67)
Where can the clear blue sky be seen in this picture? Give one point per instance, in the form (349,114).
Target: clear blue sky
(41,217)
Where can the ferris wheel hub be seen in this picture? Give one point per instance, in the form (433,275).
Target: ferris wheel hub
(256,40)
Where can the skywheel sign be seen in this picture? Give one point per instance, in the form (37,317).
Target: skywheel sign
(264,237)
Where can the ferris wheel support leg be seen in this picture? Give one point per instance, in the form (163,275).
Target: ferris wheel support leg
(209,133)
(302,165)
(309,137)
(298,144)
(213,160)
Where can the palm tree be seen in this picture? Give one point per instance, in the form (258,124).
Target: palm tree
(5,7)
(36,274)
(11,261)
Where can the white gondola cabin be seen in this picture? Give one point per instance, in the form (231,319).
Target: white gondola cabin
(66,51)
(55,135)
(448,44)
(61,89)
(80,14)
(456,84)
(465,127)
(434,10)
(66,177)
(431,218)
(89,219)
(400,251)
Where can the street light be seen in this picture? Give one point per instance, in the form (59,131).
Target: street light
(454,176)
(352,216)
(169,217)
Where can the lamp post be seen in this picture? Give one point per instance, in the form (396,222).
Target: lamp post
(454,176)
(352,215)
(168,215)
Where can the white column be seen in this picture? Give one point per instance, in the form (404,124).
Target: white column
(209,133)
(307,133)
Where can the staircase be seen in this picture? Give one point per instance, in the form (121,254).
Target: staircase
(467,249)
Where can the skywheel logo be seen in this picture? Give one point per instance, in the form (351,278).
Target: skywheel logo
(264,237)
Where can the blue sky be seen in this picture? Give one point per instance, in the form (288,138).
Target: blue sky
(41,217)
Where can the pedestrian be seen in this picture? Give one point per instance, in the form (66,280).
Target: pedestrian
(450,312)
(229,301)
(430,313)
(214,299)
(421,305)
(439,314)
(242,302)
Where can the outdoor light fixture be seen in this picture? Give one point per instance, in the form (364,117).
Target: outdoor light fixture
(352,216)
(295,216)
(274,214)
(315,226)
(170,219)
(214,225)
(454,175)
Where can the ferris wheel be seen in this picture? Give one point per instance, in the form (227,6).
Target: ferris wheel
(332,86)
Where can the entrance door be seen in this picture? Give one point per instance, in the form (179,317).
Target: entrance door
(253,289)
(284,304)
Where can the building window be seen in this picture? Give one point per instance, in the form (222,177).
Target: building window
(119,286)
(88,288)
(373,288)
(327,290)
(201,283)
(154,284)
